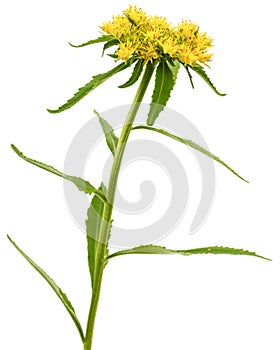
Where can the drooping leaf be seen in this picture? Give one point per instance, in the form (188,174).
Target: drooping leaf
(152,249)
(164,84)
(96,81)
(191,144)
(93,224)
(190,76)
(61,295)
(109,44)
(101,39)
(135,74)
(80,183)
(111,138)
(201,72)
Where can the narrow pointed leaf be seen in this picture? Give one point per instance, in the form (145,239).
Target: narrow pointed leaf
(109,44)
(152,249)
(113,55)
(190,76)
(201,72)
(111,138)
(135,74)
(130,19)
(94,83)
(80,183)
(101,39)
(164,84)
(191,144)
(61,295)
(93,224)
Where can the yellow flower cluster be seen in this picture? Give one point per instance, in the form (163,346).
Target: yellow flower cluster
(151,37)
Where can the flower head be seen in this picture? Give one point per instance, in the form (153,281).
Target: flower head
(151,38)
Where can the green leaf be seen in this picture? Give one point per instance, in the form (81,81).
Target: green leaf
(152,249)
(174,66)
(164,84)
(113,55)
(101,39)
(109,44)
(111,138)
(80,183)
(170,61)
(130,19)
(190,76)
(191,144)
(96,81)
(62,296)
(201,72)
(135,74)
(93,224)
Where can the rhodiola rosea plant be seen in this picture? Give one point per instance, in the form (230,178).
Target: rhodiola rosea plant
(151,47)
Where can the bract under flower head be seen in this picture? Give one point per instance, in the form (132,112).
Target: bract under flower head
(153,38)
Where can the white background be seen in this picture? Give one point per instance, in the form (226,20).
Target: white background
(147,302)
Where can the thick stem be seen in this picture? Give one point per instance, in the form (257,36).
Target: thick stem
(108,207)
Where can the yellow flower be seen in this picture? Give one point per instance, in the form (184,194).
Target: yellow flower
(125,50)
(119,27)
(148,53)
(153,38)
(136,15)
(170,47)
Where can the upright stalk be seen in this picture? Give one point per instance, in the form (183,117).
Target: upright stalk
(108,207)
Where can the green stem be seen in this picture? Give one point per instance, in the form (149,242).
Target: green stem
(108,207)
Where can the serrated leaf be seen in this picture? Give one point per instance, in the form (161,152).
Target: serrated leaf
(135,74)
(109,44)
(61,295)
(201,72)
(93,224)
(111,138)
(152,249)
(164,84)
(101,39)
(191,144)
(80,183)
(94,83)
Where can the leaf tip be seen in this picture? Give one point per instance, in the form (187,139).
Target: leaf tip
(263,257)
(15,149)
(150,120)
(242,178)
(10,239)
(53,111)
(72,45)
(98,114)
